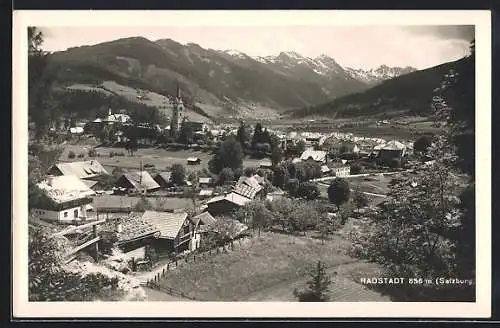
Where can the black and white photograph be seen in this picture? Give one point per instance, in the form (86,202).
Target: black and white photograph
(245,161)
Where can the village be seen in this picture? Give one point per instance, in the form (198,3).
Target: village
(136,198)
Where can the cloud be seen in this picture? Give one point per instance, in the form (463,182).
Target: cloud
(447,32)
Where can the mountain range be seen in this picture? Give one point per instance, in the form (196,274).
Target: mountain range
(224,78)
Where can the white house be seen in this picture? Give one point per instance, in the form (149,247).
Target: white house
(67,199)
(341,170)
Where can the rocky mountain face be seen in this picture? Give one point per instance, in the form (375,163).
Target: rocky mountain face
(380,74)
(215,77)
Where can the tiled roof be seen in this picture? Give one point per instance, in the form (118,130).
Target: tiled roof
(253,181)
(65,188)
(393,145)
(167,223)
(84,169)
(246,190)
(134,228)
(141,180)
(317,155)
(231,197)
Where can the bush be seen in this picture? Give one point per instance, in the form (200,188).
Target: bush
(92,153)
(71,154)
(356,169)
(308,190)
(81,155)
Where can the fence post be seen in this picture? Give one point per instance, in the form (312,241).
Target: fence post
(168,266)
(194,258)
(163,272)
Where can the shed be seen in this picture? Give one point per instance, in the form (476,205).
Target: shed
(193,160)
(175,229)
(140,181)
(226,203)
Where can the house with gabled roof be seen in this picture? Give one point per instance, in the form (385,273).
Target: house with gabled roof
(314,155)
(225,204)
(164,179)
(64,199)
(82,170)
(140,181)
(176,230)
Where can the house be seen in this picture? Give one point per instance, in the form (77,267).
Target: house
(138,181)
(205,182)
(164,179)
(314,155)
(133,233)
(193,161)
(66,199)
(195,126)
(225,204)
(204,193)
(340,170)
(274,195)
(325,169)
(255,181)
(176,231)
(393,150)
(246,190)
(202,223)
(82,170)
(265,164)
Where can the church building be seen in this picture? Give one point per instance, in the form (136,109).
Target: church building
(178,114)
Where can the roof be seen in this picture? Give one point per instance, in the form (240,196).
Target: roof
(265,162)
(89,183)
(65,188)
(166,176)
(192,159)
(147,182)
(246,190)
(232,198)
(204,218)
(77,129)
(204,180)
(253,181)
(394,145)
(83,169)
(317,155)
(325,169)
(206,192)
(167,223)
(134,228)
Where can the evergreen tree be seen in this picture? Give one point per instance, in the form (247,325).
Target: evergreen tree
(318,286)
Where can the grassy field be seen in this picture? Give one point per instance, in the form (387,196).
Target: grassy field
(158,157)
(164,203)
(269,268)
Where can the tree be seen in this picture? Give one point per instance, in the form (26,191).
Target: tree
(326,226)
(276,155)
(229,154)
(339,192)
(50,280)
(242,135)
(359,199)
(40,105)
(226,176)
(422,144)
(131,145)
(178,174)
(318,286)
(292,186)
(280,177)
(308,190)
(254,214)
(257,135)
(356,169)
(143,205)
(249,171)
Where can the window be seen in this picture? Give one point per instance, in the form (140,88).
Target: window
(75,213)
(65,214)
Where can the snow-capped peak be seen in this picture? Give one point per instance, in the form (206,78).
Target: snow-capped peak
(383,72)
(235,53)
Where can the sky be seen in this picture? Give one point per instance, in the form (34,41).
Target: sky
(362,47)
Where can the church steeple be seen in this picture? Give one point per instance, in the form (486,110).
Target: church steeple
(178,90)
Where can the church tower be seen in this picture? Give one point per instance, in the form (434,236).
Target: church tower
(178,114)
